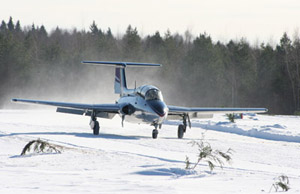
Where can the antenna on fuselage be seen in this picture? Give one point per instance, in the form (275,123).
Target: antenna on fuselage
(120,75)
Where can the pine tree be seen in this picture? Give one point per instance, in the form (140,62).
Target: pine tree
(131,44)
(18,26)
(94,29)
(42,31)
(3,26)
(10,25)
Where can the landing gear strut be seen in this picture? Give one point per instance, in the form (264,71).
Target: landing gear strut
(182,127)
(94,124)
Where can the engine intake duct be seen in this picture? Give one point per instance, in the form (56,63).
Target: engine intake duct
(127,109)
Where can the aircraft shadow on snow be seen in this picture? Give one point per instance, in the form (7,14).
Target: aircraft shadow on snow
(88,135)
(84,135)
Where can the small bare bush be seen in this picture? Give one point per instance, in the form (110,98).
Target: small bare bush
(281,182)
(39,146)
(209,155)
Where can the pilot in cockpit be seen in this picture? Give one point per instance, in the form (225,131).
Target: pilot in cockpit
(153,94)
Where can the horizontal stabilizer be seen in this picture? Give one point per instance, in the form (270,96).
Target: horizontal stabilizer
(121,64)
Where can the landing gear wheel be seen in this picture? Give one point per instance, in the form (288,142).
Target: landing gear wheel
(154,133)
(96,128)
(181,130)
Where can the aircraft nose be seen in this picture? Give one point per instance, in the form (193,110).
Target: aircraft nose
(158,107)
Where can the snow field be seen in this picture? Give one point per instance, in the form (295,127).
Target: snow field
(128,160)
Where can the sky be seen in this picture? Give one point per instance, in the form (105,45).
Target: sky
(255,20)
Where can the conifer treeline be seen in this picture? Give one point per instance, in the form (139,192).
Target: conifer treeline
(196,71)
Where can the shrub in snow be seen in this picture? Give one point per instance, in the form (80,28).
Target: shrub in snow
(281,182)
(230,117)
(297,113)
(39,146)
(209,155)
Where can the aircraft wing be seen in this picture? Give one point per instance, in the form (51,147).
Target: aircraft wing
(203,112)
(77,108)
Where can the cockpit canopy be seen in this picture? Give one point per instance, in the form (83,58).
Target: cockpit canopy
(153,94)
(150,92)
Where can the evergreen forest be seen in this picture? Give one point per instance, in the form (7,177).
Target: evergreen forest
(196,71)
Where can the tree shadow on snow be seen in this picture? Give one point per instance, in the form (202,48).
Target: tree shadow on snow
(175,173)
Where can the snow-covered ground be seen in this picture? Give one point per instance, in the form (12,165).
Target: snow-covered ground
(128,160)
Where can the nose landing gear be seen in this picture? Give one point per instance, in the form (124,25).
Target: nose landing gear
(154,133)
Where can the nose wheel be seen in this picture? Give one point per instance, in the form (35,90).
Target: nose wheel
(154,133)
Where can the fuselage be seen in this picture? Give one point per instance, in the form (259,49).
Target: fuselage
(143,105)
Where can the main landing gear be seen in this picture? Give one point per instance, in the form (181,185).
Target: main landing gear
(94,124)
(182,127)
(181,131)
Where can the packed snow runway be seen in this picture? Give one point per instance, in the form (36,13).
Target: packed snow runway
(128,160)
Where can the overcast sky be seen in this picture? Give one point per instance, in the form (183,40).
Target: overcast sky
(261,20)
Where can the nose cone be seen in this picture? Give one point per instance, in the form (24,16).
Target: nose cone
(159,107)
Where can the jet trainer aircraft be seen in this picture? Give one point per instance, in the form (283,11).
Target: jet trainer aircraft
(144,104)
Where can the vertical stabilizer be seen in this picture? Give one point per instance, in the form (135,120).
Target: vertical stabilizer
(120,81)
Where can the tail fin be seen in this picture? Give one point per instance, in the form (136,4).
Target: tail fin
(120,77)
(120,81)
